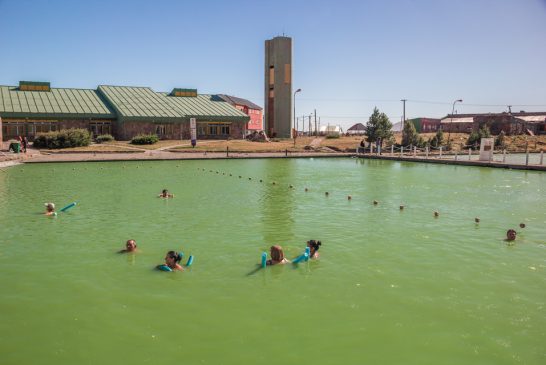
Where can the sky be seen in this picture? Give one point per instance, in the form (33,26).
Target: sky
(349,56)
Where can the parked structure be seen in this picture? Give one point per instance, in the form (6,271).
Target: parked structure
(122,111)
(425,125)
(255,112)
(510,123)
(278,87)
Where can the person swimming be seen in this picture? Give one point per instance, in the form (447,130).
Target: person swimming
(50,209)
(172,260)
(511,235)
(314,247)
(130,246)
(277,256)
(165,194)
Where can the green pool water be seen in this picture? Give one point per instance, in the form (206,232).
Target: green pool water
(391,287)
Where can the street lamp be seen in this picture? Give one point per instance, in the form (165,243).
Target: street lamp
(295,126)
(451,121)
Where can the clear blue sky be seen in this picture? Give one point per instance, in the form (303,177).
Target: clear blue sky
(349,56)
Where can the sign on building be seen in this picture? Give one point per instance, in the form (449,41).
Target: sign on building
(486,149)
(193,131)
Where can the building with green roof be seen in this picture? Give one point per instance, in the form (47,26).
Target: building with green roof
(123,111)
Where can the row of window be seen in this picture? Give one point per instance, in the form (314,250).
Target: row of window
(30,129)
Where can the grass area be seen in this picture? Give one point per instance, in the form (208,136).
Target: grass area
(315,144)
(239,145)
(155,146)
(103,148)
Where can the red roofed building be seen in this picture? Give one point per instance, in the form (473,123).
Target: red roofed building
(254,111)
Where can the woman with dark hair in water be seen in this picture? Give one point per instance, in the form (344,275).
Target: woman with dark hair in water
(172,260)
(313,248)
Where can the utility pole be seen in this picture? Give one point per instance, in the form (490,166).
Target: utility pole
(315,121)
(309,131)
(509,109)
(404,115)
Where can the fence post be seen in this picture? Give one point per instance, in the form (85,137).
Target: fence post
(469,153)
(426,153)
(379,149)
(414,151)
(392,149)
(455,155)
(503,155)
(527,157)
(401,151)
(371,148)
(286,152)
(227,151)
(440,152)
(541,157)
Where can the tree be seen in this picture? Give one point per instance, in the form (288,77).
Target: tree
(499,141)
(437,140)
(475,137)
(409,135)
(379,127)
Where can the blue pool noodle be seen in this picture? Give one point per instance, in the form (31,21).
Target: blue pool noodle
(307,253)
(264,259)
(190,261)
(71,205)
(300,258)
(164,268)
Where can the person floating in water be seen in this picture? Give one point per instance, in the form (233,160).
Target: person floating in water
(313,248)
(510,235)
(165,194)
(130,246)
(50,209)
(277,256)
(172,260)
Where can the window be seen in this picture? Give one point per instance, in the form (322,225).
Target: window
(271,75)
(164,130)
(287,73)
(100,128)
(271,93)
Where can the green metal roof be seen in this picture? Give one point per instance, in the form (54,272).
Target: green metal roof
(57,103)
(139,103)
(210,107)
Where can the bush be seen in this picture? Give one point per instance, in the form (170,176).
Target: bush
(65,138)
(499,141)
(104,138)
(331,136)
(145,139)
(475,137)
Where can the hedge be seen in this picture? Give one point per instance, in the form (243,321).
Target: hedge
(64,138)
(145,139)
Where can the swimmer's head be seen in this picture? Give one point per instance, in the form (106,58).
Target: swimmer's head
(165,192)
(477,220)
(522,225)
(511,235)
(314,245)
(375,202)
(173,257)
(50,207)
(130,245)
(436,213)
(277,253)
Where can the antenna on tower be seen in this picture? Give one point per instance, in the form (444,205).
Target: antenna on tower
(510,109)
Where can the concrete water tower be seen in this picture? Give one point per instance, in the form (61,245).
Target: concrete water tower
(278,87)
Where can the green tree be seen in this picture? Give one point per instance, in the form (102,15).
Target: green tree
(499,141)
(437,140)
(475,137)
(409,135)
(378,127)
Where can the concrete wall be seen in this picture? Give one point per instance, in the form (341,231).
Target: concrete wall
(278,107)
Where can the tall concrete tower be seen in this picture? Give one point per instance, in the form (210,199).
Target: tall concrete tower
(278,87)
